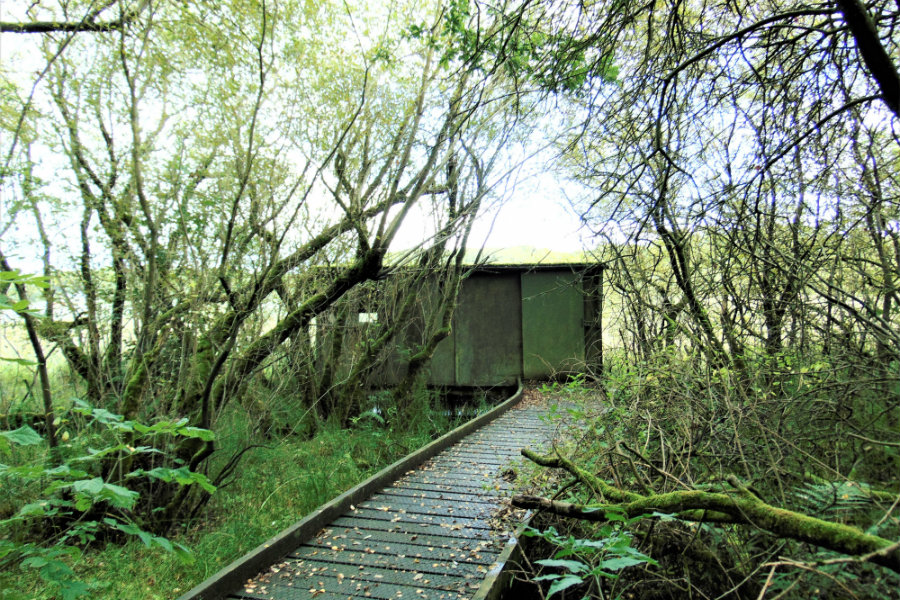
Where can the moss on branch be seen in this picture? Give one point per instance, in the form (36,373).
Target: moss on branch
(738,506)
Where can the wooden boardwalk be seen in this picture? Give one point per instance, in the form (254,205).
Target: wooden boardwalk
(433,533)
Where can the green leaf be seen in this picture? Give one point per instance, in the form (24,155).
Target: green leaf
(183,554)
(104,416)
(181,476)
(19,361)
(7,547)
(591,545)
(663,516)
(22,472)
(88,486)
(163,543)
(93,453)
(23,436)
(15,277)
(614,516)
(33,509)
(196,432)
(65,471)
(134,530)
(56,570)
(93,490)
(203,481)
(572,565)
(563,583)
(620,562)
(34,562)
(72,589)
(119,496)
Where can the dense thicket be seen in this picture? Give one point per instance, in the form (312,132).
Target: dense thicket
(744,181)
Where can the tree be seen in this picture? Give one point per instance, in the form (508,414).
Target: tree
(738,170)
(235,171)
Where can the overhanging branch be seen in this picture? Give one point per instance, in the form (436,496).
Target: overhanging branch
(64,26)
(88,24)
(873,52)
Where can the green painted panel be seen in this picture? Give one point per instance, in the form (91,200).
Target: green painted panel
(552,323)
(488,330)
(443,369)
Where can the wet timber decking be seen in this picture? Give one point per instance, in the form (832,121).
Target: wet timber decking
(432,533)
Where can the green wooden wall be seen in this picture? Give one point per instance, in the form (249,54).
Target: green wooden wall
(510,324)
(488,331)
(552,323)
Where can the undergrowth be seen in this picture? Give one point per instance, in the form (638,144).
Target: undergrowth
(658,428)
(278,482)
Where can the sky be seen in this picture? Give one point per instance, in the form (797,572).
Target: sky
(538,215)
(535,212)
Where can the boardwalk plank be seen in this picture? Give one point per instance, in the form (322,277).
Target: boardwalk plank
(396,558)
(402,516)
(429,534)
(372,537)
(356,579)
(401,546)
(432,506)
(427,492)
(413,528)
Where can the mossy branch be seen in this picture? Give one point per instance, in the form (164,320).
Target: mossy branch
(738,506)
(599,486)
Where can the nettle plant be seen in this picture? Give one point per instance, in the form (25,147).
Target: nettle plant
(63,501)
(585,561)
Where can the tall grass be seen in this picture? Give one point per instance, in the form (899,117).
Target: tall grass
(19,389)
(278,482)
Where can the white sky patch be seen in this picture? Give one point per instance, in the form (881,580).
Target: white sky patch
(537,214)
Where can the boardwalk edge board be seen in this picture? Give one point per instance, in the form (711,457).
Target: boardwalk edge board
(233,576)
(499,577)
